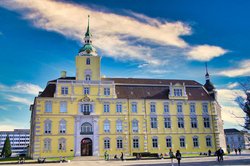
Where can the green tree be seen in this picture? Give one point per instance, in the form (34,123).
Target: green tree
(6,151)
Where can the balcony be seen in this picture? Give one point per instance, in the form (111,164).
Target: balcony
(86,133)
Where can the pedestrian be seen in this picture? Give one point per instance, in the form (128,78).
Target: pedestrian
(106,155)
(209,152)
(178,157)
(239,149)
(171,155)
(235,151)
(221,153)
(122,156)
(228,149)
(218,155)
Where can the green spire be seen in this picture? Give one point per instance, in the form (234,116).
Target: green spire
(88,32)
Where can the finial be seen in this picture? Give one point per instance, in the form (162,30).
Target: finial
(88,32)
(206,67)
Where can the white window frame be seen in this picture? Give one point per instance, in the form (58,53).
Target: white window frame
(48,106)
(192,108)
(195,142)
(182,142)
(166,107)
(153,122)
(106,107)
(106,126)
(106,143)
(62,144)
(169,142)
(119,143)
(119,126)
(106,91)
(204,107)
(63,106)
(135,126)
(208,141)
(62,126)
(86,90)
(153,108)
(155,142)
(64,90)
(179,108)
(47,144)
(167,122)
(206,122)
(136,142)
(181,122)
(194,122)
(134,107)
(119,107)
(177,92)
(47,126)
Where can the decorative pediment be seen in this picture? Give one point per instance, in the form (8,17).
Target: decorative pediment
(85,99)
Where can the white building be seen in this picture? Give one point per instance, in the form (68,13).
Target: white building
(19,140)
(236,138)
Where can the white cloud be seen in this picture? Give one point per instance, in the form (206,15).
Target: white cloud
(205,52)
(9,125)
(243,69)
(18,99)
(233,85)
(21,88)
(230,108)
(118,36)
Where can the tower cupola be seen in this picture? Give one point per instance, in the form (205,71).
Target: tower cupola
(87,49)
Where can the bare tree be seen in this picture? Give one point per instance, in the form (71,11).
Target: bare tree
(245,103)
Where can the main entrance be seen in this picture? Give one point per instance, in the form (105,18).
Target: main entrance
(86,147)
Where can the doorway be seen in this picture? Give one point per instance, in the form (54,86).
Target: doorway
(86,147)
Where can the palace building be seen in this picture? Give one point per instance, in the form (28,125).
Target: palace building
(87,115)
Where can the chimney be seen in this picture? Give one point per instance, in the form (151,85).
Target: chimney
(63,74)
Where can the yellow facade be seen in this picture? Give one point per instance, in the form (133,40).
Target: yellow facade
(70,116)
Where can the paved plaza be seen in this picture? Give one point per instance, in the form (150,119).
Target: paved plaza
(236,160)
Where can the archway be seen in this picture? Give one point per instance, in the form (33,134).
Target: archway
(86,147)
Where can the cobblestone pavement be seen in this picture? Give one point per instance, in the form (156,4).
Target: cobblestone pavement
(238,160)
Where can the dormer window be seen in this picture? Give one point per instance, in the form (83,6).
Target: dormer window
(88,61)
(178,92)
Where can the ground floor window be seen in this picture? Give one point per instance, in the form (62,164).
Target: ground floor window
(182,142)
(135,143)
(119,143)
(155,143)
(106,143)
(169,142)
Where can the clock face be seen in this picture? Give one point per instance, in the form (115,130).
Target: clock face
(88,51)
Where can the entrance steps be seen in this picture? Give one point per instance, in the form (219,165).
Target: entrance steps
(88,158)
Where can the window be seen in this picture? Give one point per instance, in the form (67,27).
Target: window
(119,107)
(106,107)
(62,126)
(63,106)
(155,142)
(119,144)
(177,92)
(106,91)
(153,122)
(106,126)
(118,126)
(88,61)
(135,126)
(167,122)
(152,108)
(206,122)
(195,142)
(205,108)
(136,142)
(86,128)
(106,143)
(47,144)
(86,109)
(182,142)
(179,108)
(192,108)
(87,77)
(166,108)
(47,127)
(134,107)
(48,106)
(86,90)
(62,144)
(180,122)
(64,90)
(208,141)
(169,142)
(193,122)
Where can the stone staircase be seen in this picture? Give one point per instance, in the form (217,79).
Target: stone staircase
(88,158)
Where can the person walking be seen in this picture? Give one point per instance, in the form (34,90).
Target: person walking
(178,157)
(235,150)
(122,156)
(221,153)
(171,155)
(239,149)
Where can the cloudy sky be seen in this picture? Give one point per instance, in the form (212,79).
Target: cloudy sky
(164,39)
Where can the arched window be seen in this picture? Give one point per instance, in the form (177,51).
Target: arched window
(119,144)
(88,77)
(106,126)
(62,126)
(86,128)
(47,126)
(135,125)
(88,61)
(119,126)
(62,144)
(47,144)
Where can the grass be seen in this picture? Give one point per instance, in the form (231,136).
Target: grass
(58,158)
(12,159)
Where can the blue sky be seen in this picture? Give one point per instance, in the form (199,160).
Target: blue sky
(164,39)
